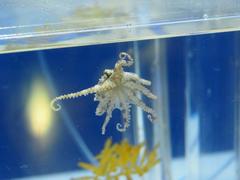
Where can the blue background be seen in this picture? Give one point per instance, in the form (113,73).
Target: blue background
(210,58)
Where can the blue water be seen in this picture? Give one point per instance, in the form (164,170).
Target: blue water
(202,67)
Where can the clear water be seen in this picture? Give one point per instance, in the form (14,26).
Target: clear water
(196,79)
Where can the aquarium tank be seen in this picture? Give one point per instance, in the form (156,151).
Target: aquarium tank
(134,90)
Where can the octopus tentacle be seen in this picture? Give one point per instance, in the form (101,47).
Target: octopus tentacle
(141,88)
(126,117)
(134,77)
(125,60)
(102,106)
(124,56)
(97,88)
(152,115)
(125,110)
(108,116)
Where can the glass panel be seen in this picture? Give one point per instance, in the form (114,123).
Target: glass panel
(30,24)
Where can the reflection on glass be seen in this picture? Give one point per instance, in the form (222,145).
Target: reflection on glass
(39,115)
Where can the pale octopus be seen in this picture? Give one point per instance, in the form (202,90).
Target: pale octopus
(116,89)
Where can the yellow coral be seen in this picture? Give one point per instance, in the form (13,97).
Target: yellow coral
(121,159)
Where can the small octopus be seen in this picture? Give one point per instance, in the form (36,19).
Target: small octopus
(116,89)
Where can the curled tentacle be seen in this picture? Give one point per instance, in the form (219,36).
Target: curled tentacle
(97,88)
(125,108)
(56,107)
(125,56)
(121,127)
(125,60)
(152,117)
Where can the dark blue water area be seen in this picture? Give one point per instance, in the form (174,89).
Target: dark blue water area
(202,75)
(71,69)
(207,60)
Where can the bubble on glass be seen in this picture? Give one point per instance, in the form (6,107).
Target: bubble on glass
(205,16)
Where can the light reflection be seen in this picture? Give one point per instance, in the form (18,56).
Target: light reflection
(39,114)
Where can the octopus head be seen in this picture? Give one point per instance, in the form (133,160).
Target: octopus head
(106,75)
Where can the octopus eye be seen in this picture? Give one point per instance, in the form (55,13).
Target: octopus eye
(107,74)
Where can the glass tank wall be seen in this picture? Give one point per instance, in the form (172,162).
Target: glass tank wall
(30,24)
(195,79)
(188,50)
